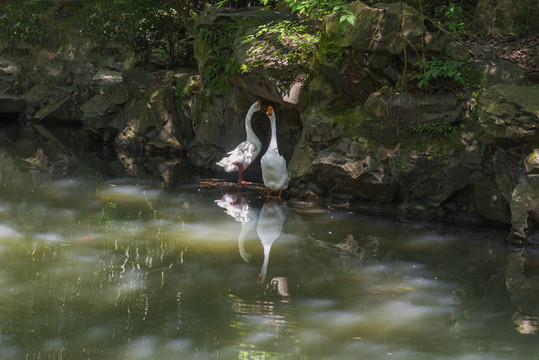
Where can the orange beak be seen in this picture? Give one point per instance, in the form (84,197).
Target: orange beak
(259,280)
(270,111)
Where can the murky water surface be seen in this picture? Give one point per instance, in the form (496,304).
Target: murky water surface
(120,268)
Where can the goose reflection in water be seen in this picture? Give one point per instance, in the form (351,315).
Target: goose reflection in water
(270,227)
(239,208)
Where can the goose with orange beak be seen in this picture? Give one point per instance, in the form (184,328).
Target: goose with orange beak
(273,164)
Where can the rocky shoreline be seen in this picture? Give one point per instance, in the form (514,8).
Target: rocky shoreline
(352,124)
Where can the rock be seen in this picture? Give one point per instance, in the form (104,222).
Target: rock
(118,94)
(105,78)
(150,123)
(11,104)
(188,81)
(525,211)
(428,179)
(509,114)
(9,76)
(372,51)
(138,78)
(394,114)
(487,198)
(496,16)
(97,113)
(491,73)
(35,97)
(278,78)
(508,172)
(8,67)
(378,29)
(531,163)
(62,109)
(320,126)
(363,178)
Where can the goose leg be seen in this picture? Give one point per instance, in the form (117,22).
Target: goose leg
(240,172)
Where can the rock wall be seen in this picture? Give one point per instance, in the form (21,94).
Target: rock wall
(352,124)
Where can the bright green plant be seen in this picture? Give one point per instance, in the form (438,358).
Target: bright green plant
(452,17)
(437,68)
(329,51)
(217,73)
(434,129)
(386,88)
(318,9)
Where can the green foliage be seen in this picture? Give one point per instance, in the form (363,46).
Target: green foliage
(527,12)
(386,88)
(317,9)
(328,51)
(211,36)
(434,129)
(294,41)
(219,41)
(143,25)
(217,73)
(437,68)
(23,21)
(453,18)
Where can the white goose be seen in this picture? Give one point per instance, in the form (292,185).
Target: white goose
(269,228)
(273,164)
(246,152)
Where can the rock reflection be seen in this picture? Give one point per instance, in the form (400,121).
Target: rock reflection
(522,282)
(270,227)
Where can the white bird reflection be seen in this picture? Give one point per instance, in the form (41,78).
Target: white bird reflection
(270,227)
(239,208)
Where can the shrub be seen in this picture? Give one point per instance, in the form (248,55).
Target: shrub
(437,68)
(23,21)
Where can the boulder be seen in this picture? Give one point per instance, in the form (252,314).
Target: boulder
(487,198)
(509,114)
(151,124)
(378,30)
(393,114)
(104,79)
(356,60)
(97,113)
(269,62)
(531,163)
(496,16)
(525,212)
(428,179)
(491,73)
(9,76)
(137,78)
(364,179)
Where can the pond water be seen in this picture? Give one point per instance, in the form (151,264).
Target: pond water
(97,267)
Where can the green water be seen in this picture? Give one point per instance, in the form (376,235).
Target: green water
(94,267)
